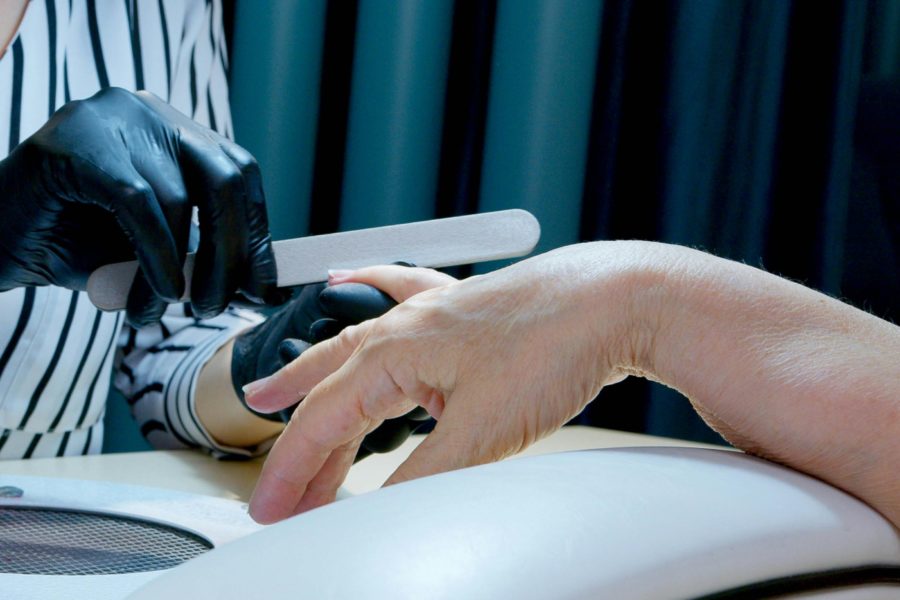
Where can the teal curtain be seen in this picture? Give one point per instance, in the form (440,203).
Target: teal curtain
(766,131)
(276,70)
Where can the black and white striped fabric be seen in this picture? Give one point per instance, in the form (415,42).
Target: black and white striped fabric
(57,352)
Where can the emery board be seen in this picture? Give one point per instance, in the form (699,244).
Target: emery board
(435,243)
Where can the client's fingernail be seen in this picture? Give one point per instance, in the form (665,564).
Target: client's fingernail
(254,386)
(338,275)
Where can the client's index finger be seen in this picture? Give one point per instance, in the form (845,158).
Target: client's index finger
(322,424)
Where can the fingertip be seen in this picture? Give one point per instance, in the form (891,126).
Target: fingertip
(209,296)
(143,306)
(169,291)
(264,508)
(164,278)
(211,290)
(339,276)
(270,394)
(265,396)
(267,294)
(275,496)
(252,389)
(261,280)
(207,311)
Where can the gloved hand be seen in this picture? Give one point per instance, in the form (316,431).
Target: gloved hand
(118,175)
(318,313)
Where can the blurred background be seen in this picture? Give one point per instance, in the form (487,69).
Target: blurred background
(767,131)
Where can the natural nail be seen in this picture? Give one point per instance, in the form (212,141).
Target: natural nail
(338,275)
(254,386)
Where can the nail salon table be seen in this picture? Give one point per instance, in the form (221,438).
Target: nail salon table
(195,472)
(633,518)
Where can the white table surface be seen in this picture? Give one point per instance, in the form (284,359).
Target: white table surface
(195,472)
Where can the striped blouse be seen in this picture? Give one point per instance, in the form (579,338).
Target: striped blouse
(58,353)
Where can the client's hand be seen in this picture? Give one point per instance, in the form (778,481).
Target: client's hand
(499,360)
(502,359)
(318,313)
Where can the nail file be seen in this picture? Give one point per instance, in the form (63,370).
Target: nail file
(436,243)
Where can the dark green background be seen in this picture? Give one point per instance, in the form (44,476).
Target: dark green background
(767,131)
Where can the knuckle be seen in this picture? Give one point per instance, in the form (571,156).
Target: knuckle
(115,93)
(225,177)
(177,199)
(77,110)
(134,191)
(144,95)
(408,278)
(313,441)
(350,337)
(244,160)
(173,197)
(359,413)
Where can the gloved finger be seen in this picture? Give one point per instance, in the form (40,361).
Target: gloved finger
(389,435)
(398,281)
(293,320)
(296,379)
(325,329)
(290,349)
(392,433)
(216,185)
(144,307)
(260,278)
(305,309)
(355,302)
(133,203)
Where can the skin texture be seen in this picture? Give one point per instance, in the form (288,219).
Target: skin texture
(504,359)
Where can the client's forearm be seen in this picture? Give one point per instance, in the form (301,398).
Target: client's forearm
(783,371)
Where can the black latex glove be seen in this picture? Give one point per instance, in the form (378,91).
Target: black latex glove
(117,175)
(319,312)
